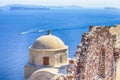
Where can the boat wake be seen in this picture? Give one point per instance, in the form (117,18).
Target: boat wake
(31,31)
(55,29)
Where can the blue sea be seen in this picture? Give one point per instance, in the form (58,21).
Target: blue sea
(67,24)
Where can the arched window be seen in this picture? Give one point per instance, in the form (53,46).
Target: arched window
(61,59)
(102,63)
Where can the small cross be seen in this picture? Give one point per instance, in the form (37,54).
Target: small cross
(48,32)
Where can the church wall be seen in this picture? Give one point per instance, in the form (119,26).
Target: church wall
(37,57)
(31,57)
(49,54)
(61,57)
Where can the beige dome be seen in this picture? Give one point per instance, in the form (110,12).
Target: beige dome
(48,42)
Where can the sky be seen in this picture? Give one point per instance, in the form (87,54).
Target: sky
(82,3)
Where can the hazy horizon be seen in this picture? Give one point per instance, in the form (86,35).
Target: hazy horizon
(82,3)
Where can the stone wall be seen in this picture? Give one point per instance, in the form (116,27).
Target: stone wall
(96,55)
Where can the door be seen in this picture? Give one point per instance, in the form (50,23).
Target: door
(45,60)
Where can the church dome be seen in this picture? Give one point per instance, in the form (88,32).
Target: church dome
(48,42)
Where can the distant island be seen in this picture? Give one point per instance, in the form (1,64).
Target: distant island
(64,7)
(28,8)
(23,7)
(110,8)
(33,7)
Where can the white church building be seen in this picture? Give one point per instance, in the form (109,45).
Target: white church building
(47,57)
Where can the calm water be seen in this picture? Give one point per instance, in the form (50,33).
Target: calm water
(66,24)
